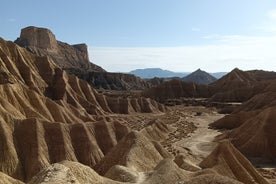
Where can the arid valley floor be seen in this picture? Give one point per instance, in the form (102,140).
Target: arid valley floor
(66,120)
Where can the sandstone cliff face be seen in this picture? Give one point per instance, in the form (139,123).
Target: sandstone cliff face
(252,127)
(236,86)
(48,116)
(239,86)
(228,161)
(38,37)
(68,172)
(133,151)
(74,59)
(42,42)
(175,89)
(255,137)
(111,81)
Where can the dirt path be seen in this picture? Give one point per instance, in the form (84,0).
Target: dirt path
(191,135)
(199,144)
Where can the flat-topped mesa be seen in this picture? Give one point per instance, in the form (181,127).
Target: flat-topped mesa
(74,59)
(37,37)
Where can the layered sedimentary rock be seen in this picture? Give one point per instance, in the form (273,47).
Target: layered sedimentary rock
(212,178)
(239,86)
(252,125)
(232,121)
(75,60)
(236,86)
(134,151)
(226,160)
(42,41)
(72,172)
(48,116)
(108,80)
(256,136)
(175,89)
(5,179)
(68,172)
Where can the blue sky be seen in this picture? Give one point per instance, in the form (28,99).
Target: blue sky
(179,35)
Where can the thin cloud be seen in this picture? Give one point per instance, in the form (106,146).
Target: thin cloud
(269,23)
(271,14)
(226,53)
(11,20)
(196,29)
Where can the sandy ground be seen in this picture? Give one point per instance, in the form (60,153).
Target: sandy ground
(191,135)
(200,142)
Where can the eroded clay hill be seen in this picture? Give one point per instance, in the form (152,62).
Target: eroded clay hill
(252,125)
(136,159)
(254,134)
(236,86)
(74,59)
(239,86)
(54,128)
(228,161)
(48,116)
(175,89)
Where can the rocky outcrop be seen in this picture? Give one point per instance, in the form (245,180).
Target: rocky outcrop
(134,151)
(255,138)
(68,172)
(48,116)
(226,160)
(74,59)
(236,86)
(31,144)
(212,178)
(73,172)
(38,37)
(239,86)
(175,89)
(232,121)
(112,81)
(252,126)
(5,179)
(42,42)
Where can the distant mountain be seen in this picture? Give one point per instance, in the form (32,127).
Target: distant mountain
(148,73)
(199,77)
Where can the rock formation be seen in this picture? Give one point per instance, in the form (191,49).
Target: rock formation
(74,59)
(69,172)
(54,127)
(5,179)
(175,89)
(236,86)
(42,41)
(73,172)
(212,178)
(226,160)
(134,151)
(252,126)
(48,116)
(239,86)
(255,137)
